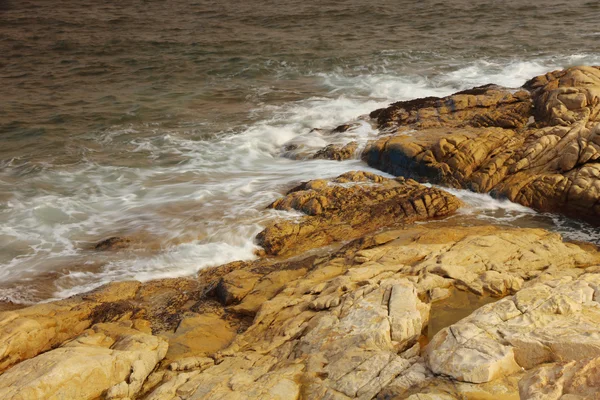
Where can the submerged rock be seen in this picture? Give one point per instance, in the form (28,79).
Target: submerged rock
(114,243)
(538,147)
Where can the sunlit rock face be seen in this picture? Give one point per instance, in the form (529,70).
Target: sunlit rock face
(350,206)
(537,146)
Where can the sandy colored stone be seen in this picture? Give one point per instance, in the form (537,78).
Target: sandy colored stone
(109,359)
(236,285)
(566,380)
(27,332)
(199,335)
(343,324)
(347,326)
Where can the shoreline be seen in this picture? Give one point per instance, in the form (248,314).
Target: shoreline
(348,321)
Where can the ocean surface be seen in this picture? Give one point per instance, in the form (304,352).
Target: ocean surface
(167,121)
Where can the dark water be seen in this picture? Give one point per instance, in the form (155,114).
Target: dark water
(166,121)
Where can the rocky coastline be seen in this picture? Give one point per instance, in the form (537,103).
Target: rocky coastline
(372,292)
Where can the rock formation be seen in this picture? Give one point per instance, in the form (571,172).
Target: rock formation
(357,319)
(336,152)
(538,146)
(349,206)
(340,325)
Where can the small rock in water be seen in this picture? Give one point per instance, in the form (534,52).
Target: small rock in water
(113,243)
(338,153)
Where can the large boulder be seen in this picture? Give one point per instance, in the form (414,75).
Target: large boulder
(538,146)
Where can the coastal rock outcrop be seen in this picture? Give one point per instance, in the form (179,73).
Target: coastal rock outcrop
(110,359)
(565,380)
(343,325)
(370,316)
(554,321)
(347,325)
(337,152)
(348,207)
(538,146)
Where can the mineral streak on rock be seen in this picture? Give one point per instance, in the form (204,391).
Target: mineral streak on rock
(538,146)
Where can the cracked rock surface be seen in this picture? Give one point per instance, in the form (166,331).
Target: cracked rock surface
(348,207)
(553,321)
(538,146)
(343,325)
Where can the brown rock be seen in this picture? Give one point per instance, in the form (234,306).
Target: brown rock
(538,148)
(236,285)
(113,243)
(199,335)
(336,152)
(484,106)
(349,206)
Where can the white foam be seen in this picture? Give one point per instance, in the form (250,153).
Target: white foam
(484,206)
(511,74)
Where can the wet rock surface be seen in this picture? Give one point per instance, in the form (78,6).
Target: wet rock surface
(337,152)
(537,146)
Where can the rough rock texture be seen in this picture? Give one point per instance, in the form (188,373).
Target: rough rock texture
(566,380)
(337,152)
(27,332)
(484,106)
(547,322)
(349,206)
(113,243)
(353,321)
(538,147)
(109,359)
(348,326)
(335,326)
